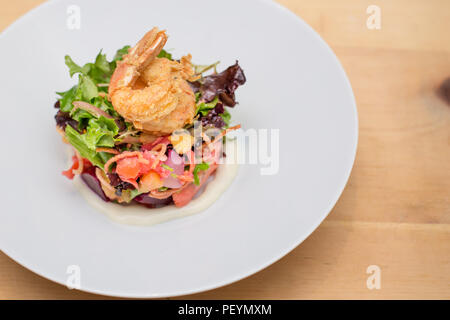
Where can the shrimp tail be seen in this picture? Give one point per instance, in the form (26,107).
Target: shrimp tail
(137,59)
(150,92)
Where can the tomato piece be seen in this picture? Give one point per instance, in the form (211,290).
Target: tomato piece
(182,198)
(147,167)
(87,164)
(69,172)
(128,168)
(150,181)
(163,172)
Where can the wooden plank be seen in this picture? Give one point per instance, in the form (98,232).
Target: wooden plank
(12,10)
(402,169)
(405,24)
(330,264)
(395,211)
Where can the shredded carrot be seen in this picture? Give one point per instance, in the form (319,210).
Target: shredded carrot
(165,194)
(125,154)
(106,186)
(107,150)
(162,195)
(210,144)
(226,131)
(206,138)
(149,146)
(162,151)
(186,177)
(156,155)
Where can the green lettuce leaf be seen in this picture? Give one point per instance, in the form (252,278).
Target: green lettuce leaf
(88,88)
(135,192)
(78,142)
(199,167)
(105,105)
(74,68)
(67,97)
(82,117)
(100,133)
(203,108)
(105,156)
(85,90)
(165,54)
(101,70)
(226,116)
(120,53)
(102,63)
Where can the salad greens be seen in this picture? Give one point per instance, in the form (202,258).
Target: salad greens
(203,108)
(165,54)
(215,92)
(93,132)
(99,136)
(226,116)
(78,142)
(92,79)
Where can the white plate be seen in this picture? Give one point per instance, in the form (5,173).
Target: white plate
(294,84)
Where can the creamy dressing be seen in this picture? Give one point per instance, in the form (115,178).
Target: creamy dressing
(135,214)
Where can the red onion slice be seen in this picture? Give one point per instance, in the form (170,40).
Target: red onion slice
(175,162)
(90,108)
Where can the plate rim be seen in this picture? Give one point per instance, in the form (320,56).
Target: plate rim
(240,276)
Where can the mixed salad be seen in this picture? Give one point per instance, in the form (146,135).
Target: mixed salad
(123,154)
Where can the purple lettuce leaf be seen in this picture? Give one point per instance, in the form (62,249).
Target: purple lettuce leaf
(222,84)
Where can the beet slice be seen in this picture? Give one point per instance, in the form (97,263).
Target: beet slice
(93,183)
(150,202)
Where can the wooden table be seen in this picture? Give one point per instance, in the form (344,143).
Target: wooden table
(395,211)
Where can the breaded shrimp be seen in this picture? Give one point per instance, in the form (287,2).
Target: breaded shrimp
(153,93)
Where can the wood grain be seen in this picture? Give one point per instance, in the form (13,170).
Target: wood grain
(395,211)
